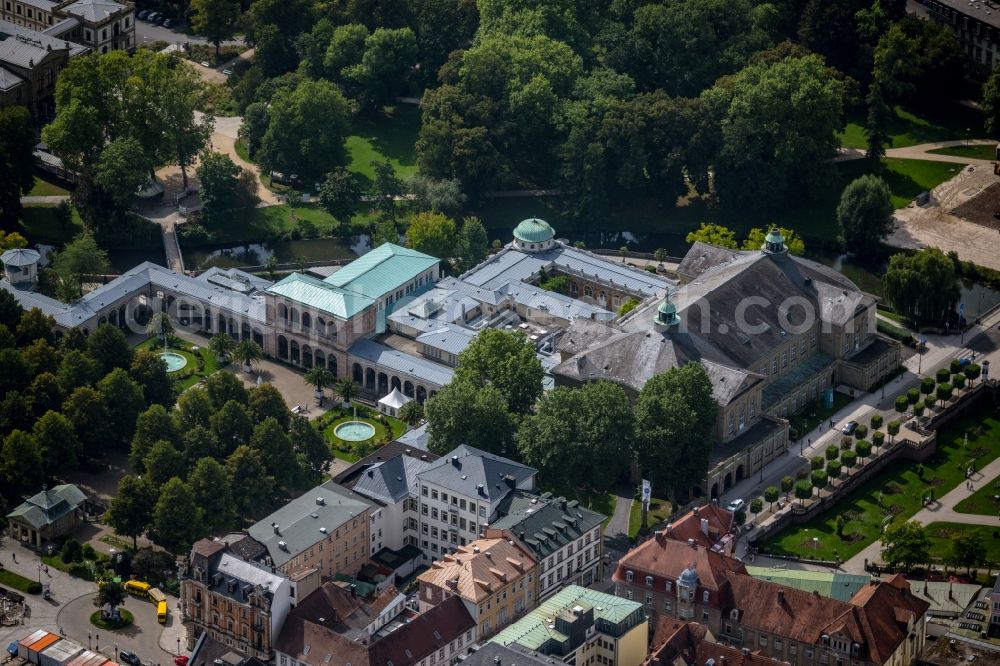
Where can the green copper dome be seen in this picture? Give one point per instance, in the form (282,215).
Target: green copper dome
(666,313)
(774,237)
(534,230)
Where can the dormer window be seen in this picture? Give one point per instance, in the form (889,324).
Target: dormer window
(855,649)
(704,596)
(649,581)
(629,575)
(669,586)
(734,615)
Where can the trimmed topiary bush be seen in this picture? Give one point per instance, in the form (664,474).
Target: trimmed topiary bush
(955,366)
(864,448)
(819,478)
(918,409)
(832,452)
(816,462)
(943,375)
(912,396)
(861,431)
(927,386)
(876,421)
(849,458)
(902,404)
(958,381)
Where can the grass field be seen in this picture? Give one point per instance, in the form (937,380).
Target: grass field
(273,222)
(194,371)
(983,501)
(45,187)
(900,489)
(659,510)
(814,220)
(942,535)
(978,151)
(910,127)
(42,225)
(15,580)
(393,138)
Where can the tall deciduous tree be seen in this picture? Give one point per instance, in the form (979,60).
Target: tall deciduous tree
(306,130)
(248,477)
(991,102)
(163,462)
(109,347)
(86,408)
(905,544)
(132,507)
(432,233)
(582,435)
(466,413)
(276,450)
(340,195)
(57,442)
(472,245)
(675,414)
(17,142)
(80,257)
(21,465)
(713,234)
(232,425)
(922,286)
(212,492)
(877,123)
(177,519)
(223,187)
(505,361)
(864,214)
(150,371)
(267,402)
(151,426)
(216,19)
(124,400)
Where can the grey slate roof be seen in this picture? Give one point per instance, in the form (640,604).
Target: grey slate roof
(61,28)
(299,521)
(136,281)
(20,257)
(417,438)
(49,505)
(9,79)
(546,524)
(495,654)
(388,358)
(466,468)
(392,481)
(24,48)
(448,338)
(93,11)
(244,576)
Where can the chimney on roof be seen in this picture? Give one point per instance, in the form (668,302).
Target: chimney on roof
(354,590)
(475,549)
(746,652)
(692,543)
(670,528)
(704,526)
(274,526)
(320,501)
(660,536)
(722,659)
(424,457)
(697,511)
(454,461)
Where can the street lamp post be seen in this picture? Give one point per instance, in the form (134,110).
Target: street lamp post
(116,652)
(88,640)
(178,646)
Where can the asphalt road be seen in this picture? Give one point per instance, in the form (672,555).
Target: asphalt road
(149,32)
(141,637)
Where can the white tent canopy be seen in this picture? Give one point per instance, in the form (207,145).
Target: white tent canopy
(391,403)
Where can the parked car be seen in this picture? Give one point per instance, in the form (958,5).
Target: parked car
(181,660)
(736,505)
(849,428)
(152,16)
(227,72)
(205,63)
(142,14)
(286,179)
(130,658)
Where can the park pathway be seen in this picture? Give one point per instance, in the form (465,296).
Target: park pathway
(51,199)
(940,511)
(616,531)
(922,152)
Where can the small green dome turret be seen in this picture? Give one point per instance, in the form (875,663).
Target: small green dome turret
(534,230)
(666,313)
(774,242)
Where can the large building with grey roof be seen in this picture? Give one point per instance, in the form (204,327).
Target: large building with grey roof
(30,62)
(98,25)
(773,332)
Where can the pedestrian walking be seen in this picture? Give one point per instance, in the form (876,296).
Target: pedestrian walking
(14,555)
(47,570)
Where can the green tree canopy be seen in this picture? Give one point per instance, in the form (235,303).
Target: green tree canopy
(432,233)
(163,462)
(466,413)
(91,417)
(17,145)
(581,436)
(674,418)
(151,426)
(109,347)
(507,362)
(248,477)
(216,19)
(211,492)
(340,194)
(124,400)
(223,187)
(864,215)
(922,286)
(132,507)
(905,544)
(713,234)
(57,441)
(21,465)
(177,519)
(80,257)
(472,245)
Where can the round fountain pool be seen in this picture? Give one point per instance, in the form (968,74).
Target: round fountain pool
(354,431)
(174,361)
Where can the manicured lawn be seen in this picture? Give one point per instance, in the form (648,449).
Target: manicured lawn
(200,364)
(659,510)
(982,501)
(241,150)
(392,137)
(387,429)
(908,178)
(942,536)
(275,222)
(45,187)
(978,151)
(900,490)
(596,500)
(126,620)
(910,127)
(42,225)
(15,580)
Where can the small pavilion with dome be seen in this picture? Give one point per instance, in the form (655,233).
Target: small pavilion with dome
(534,235)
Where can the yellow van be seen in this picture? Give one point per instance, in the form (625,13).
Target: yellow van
(161,612)
(137,588)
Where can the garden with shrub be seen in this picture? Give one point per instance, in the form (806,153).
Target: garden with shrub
(387,429)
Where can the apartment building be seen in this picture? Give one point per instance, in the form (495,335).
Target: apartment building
(326,529)
(975,24)
(335,632)
(564,536)
(495,578)
(99,25)
(691,644)
(239,604)
(882,623)
(461,493)
(582,626)
(30,62)
(388,478)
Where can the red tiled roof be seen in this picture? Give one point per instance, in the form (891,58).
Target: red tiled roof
(690,643)
(719,523)
(888,609)
(207,547)
(665,559)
